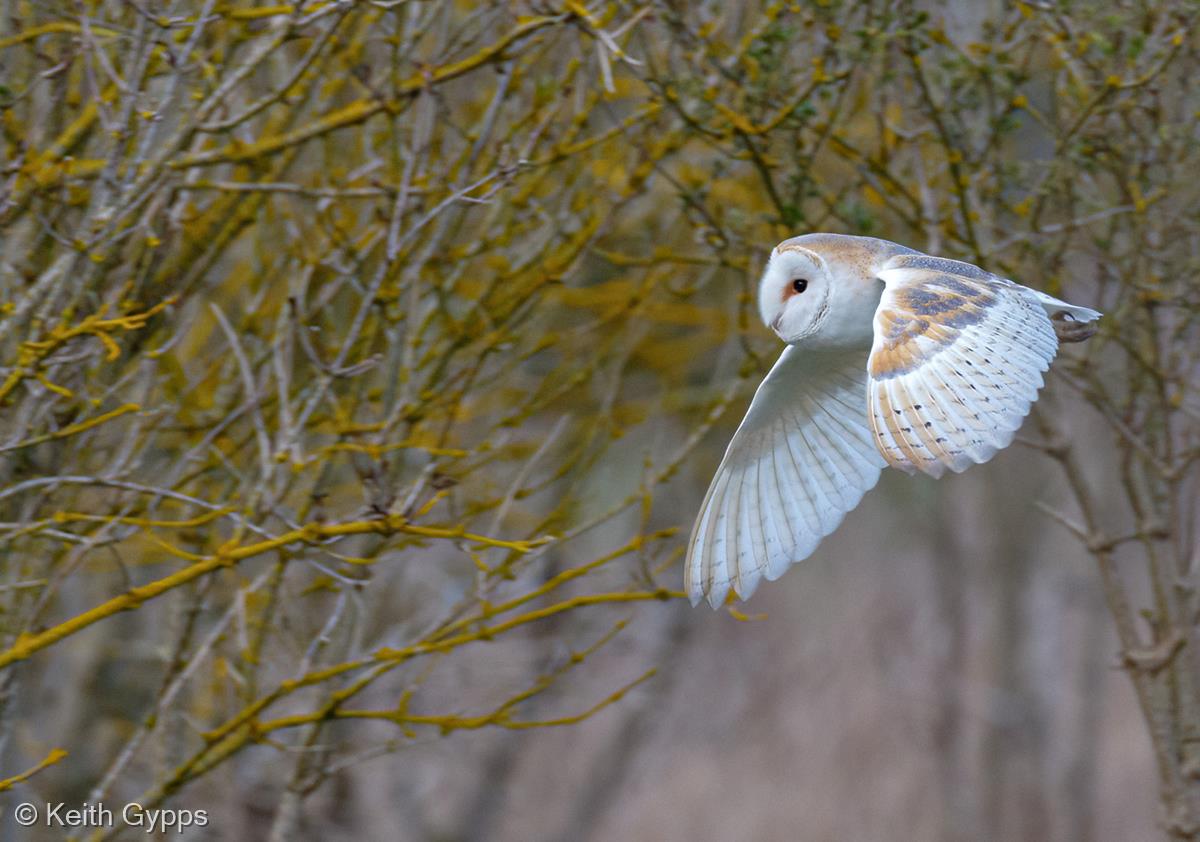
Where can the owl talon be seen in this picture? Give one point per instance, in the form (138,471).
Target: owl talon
(1068,329)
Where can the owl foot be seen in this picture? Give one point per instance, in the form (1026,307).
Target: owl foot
(1068,329)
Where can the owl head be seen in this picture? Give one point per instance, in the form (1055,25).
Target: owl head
(793,295)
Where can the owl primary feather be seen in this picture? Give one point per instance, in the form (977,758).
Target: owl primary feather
(893,357)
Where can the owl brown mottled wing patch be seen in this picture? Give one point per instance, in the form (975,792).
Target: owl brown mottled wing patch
(956,363)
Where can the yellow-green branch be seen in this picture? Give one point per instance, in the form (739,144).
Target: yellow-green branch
(53,757)
(27,644)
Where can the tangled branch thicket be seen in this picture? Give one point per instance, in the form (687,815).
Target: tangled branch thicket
(341,340)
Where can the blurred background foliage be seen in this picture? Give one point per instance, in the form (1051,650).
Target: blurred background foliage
(364,364)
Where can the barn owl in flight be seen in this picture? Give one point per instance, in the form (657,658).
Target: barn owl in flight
(893,357)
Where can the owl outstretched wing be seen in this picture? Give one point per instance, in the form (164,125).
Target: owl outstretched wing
(956,363)
(802,457)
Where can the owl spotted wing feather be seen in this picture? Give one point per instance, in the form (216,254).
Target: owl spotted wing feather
(802,457)
(956,363)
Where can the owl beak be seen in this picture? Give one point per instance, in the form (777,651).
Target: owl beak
(775,324)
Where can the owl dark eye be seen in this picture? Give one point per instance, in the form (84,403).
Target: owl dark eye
(800,284)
